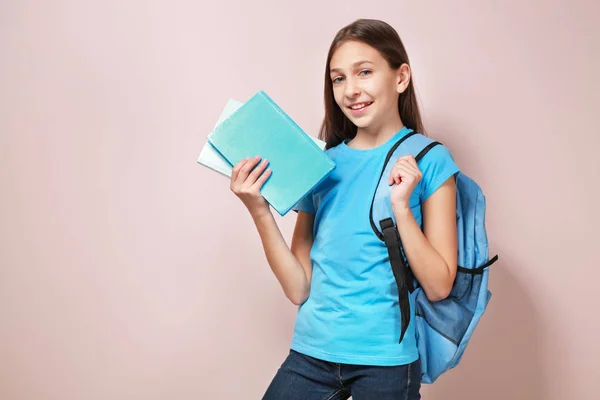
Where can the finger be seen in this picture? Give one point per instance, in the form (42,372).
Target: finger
(412,161)
(245,170)
(262,179)
(408,175)
(405,158)
(410,164)
(403,173)
(236,170)
(256,172)
(414,167)
(396,177)
(408,159)
(395,173)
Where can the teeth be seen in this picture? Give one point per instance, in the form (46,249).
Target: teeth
(358,106)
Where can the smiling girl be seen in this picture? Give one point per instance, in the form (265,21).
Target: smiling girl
(337,270)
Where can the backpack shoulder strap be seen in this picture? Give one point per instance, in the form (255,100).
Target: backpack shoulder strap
(413,143)
(426,149)
(381,217)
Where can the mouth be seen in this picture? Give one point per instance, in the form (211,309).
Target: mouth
(358,108)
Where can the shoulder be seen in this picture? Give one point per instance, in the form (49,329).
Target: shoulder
(437,166)
(436,155)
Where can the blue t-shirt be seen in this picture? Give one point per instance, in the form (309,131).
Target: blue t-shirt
(352,314)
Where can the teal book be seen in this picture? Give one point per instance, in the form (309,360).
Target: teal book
(211,158)
(260,127)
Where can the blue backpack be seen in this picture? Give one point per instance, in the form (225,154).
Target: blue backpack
(443,328)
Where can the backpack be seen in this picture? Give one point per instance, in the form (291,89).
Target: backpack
(443,328)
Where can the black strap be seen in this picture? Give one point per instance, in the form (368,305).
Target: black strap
(425,150)
(478,270)
(400,270)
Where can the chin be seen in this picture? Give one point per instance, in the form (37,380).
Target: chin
(362,123)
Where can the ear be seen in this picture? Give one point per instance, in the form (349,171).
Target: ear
(402,78)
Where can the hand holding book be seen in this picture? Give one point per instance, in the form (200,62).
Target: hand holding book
(260,126)
(247,178)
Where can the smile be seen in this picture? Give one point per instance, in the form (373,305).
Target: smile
(359,107)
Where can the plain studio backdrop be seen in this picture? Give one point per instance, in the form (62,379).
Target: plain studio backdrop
(128,271)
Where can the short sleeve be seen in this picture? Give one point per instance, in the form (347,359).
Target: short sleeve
(306,204)
(436,166)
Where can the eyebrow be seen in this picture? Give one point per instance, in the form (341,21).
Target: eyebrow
(356,64)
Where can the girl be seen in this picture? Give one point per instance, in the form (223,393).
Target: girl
(337,271)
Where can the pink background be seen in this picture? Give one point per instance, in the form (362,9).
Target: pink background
(116,276)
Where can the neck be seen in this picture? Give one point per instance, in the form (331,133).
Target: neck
(376,135)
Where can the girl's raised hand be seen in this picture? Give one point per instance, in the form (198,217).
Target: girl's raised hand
(247,178)
(405,174)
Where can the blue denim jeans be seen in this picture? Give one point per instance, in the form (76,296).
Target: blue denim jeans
(302,377)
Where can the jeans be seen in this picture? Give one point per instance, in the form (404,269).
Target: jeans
(302,377)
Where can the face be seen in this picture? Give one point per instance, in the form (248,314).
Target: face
(365,87)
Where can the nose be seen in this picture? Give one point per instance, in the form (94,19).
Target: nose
(352,88)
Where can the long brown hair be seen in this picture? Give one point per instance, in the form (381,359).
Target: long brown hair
(336,127)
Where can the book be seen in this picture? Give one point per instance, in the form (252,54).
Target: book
(260,127)
(211,158)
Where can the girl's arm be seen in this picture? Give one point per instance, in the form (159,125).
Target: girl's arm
(432,253)
(292,267)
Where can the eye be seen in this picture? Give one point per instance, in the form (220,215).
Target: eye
(337,79)
(365,72)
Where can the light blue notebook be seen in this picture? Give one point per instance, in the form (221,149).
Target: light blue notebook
(261,127)
(211,158)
